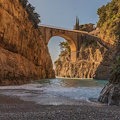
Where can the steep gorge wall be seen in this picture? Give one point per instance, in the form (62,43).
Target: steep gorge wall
(109,24)
(89,58)
(110,94)
(23,54)
(104,70)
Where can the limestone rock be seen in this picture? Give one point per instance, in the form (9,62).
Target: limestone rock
(89,58)
(103,72)
(25,43)
(110,94)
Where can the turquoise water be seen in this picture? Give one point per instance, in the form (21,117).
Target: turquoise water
(59,91)
(71,82)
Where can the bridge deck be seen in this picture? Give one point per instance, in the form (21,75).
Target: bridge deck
(60,28)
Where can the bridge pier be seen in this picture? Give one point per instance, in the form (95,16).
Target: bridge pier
(73,56)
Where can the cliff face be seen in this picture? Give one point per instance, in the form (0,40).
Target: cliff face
(23,54)
(111,92)
(103,72)
(109,24)
(111,62)
(89,58)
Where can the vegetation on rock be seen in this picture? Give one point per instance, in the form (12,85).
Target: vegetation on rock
(115,77)
(109,19)
(86,27)
(57,61)
(34,16)
(65,48)
(109,24)
(76,27)
(117,66)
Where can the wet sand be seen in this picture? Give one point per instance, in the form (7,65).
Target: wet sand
(12,108)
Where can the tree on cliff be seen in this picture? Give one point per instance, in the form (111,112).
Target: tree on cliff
(65,48)
(109,19)
(77,23)
(76,27)
(24,2)
(35,17)
(86,27)
(109,24)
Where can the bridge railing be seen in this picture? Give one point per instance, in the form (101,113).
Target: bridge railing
(43,25)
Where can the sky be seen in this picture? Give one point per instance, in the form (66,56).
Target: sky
(62,13)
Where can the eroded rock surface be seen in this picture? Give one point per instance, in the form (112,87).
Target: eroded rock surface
(110,94)
(23,54)
(89,58)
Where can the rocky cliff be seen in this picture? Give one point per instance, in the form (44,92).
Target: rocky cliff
(89,58)
(110,28)
(107,36)
(111,92)
(23,54)
(103,72)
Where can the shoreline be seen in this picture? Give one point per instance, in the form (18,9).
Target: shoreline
(12,108)
(73,78)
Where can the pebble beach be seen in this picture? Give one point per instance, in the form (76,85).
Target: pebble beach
(12,108)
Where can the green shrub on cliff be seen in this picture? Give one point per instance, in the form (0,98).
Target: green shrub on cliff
(109,19)
(65,48)
(116,69)
(86,27)
(58,62)
(24,2)
(33,15)
(31,11)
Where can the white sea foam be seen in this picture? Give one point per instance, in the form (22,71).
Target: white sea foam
(51,94)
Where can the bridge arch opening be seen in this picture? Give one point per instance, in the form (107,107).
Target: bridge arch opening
(71,43)
(54,48)
(71,36)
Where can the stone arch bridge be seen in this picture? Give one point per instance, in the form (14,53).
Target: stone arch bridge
(73,37)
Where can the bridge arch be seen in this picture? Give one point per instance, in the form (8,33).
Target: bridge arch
(73,37)
(68,38)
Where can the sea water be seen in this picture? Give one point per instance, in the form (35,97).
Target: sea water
(59,91)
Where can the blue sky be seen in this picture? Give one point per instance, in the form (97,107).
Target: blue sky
(62,13)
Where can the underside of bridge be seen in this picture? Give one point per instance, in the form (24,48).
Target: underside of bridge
(71,43)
